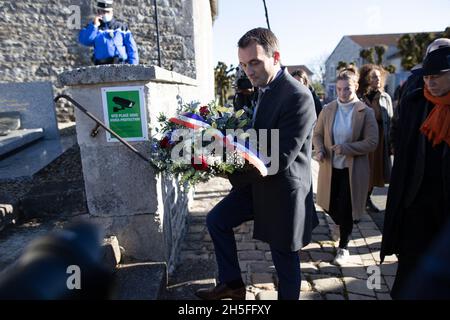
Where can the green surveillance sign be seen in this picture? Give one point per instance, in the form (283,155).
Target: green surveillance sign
(124,111)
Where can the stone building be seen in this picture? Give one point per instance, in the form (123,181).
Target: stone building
(39,38)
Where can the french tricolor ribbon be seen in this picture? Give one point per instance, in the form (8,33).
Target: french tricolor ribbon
(194,121)
(190,120)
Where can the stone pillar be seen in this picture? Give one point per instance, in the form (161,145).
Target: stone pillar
(145,211)
(203,38)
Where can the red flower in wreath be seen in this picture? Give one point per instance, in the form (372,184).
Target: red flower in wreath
(199,163)
(204,111)
(165,143)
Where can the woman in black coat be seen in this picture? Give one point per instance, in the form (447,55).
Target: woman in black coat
(418,203)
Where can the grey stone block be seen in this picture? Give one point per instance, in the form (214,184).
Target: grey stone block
(321,256)
(358,286)
(9,121)
(140,281)
(305,286)
(307,267)
(17,139)
(122,185)
(34,101)
(312,246)
(310,296)
(61,198)
(261,266)
(120,73)
(251,255)
(140,236)
(328,268)
(111,252)
(263,281)
(185,290)
(355,272)
(267,295)
(27,162)
(326,284)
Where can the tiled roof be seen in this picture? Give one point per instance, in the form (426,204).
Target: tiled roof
(376,39)
(371,40)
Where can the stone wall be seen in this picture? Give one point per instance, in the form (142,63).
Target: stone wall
(37,43)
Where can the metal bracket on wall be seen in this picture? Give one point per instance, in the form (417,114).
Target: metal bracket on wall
(94,132)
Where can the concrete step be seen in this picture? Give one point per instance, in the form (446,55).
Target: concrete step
(55,198)
(140,281)
(16,140)
(57,189)
(14,240)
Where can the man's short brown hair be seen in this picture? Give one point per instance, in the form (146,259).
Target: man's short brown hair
(261,36)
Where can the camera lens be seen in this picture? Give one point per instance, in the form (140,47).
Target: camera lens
(244,83)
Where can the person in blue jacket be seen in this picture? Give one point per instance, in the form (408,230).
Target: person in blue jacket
(112,40)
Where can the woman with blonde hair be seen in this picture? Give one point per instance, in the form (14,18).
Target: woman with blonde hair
(346,132)
(371,92)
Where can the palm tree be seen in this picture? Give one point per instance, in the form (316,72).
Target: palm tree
(341,65)
(380,51)
(223,81)
(367,55)
(413,47)
(446,33)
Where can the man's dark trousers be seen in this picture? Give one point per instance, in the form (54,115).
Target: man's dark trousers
(232,211)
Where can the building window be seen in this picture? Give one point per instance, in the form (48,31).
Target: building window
(331,92)
(331,72)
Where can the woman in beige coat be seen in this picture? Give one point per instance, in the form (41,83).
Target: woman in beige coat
(346,132)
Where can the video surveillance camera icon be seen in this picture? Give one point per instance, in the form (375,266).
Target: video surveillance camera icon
(122,104)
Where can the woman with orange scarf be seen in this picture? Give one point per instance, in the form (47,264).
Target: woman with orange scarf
(418,203)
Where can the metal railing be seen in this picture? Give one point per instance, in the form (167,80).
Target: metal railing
(101,124)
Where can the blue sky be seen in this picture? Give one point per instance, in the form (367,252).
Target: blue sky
(311,29)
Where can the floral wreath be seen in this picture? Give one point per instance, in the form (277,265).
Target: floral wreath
(182,152)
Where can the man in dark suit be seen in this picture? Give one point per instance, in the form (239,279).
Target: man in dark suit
(281,204)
